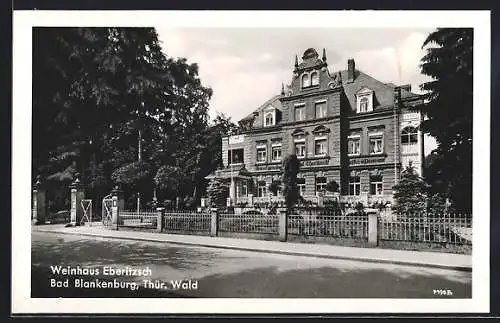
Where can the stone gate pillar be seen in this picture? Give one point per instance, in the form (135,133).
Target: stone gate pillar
(118,204)
(39,208)
(77,195)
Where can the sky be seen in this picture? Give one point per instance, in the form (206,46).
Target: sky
(246,66)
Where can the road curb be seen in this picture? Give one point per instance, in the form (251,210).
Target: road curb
(281,252)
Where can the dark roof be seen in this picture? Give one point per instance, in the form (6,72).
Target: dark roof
(274,101)
(384,92)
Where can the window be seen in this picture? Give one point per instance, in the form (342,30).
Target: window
(320,146)
(409,136)
(320,184)
(314,78)
(261,189)
(300,113)
(300,149)
(301,184)
(376,143)
(261,154)
(354,145)
(376,185)
(269,119)
(363,105)
(242,189)
(354,185)
(364,100)
(235,156)
(320,110)
(306,81)
(276,152)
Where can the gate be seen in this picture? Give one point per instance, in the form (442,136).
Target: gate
(87,211)
(107,202)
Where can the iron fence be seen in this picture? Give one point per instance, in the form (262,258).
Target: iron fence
(446,228)
(177,220)
(334,226)
(248,223)
(138,219)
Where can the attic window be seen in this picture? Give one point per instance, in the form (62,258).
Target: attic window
(270,117)
(363,105)
(314,78)
(364,99)
(306,81)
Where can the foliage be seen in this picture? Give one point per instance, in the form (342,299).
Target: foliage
(218,192)
(359,207)
(290,169)
(109,104)
(410,194)
(449,61)
(436,204)
(274,187)
(332,186)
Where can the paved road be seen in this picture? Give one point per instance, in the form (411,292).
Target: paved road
(210,272)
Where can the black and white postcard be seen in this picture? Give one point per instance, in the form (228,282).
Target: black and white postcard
(250,162)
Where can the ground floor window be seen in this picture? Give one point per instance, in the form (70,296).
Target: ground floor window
(354,185)
(301,183)
(242,189)
(320,184)
(261,189)
(376,185)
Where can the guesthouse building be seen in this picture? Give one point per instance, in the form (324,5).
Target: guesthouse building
(344,126)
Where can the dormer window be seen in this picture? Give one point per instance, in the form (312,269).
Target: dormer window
(306,81)
(363,105)
(364,99)
(314,78)
(269,117)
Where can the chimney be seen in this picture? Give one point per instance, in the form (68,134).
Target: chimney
(350,70)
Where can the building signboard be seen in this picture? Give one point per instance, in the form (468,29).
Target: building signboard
(268,167)
(366,160)
(315,162)
(238,139)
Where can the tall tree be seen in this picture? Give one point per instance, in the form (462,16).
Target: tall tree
(410,194)
(116,109)
(290,169)
(448,108)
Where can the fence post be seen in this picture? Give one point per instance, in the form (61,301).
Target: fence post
(283,225)
(373,229)
(159,219)
(250,200)
(214,215)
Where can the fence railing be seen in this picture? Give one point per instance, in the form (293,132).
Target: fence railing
(447,228)
(134,218)
(248,223)
(308,224)
(335,226)
(186,220)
